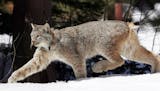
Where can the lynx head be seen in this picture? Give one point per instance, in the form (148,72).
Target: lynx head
(41,36)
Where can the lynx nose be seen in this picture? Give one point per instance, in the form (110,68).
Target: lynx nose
(33,42)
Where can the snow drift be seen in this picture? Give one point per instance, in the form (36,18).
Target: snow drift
(147,82)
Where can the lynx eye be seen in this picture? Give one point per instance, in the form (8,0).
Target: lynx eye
(44,30)
(47,32)
(38,36)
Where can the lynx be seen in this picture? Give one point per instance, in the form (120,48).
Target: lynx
(73,45)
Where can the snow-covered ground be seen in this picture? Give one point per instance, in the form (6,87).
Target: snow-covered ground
(147,82)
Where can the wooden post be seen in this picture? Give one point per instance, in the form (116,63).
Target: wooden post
(118,11)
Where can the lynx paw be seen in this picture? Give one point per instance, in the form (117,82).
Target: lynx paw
(12,80)
(97,68)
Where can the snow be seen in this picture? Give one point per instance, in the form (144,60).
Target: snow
(146,37)
(6,39)
(147,82)
(157,7)
(137,15)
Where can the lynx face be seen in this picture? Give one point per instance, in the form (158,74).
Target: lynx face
(41,35)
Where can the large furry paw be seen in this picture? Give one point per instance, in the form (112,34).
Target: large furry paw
(12,80)
(97,68)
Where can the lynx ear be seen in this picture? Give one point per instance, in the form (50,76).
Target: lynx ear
(52,29)
(47,25)
(33,26)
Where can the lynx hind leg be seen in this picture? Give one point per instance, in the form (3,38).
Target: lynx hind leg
(134,51)
(113,60)
(142,55)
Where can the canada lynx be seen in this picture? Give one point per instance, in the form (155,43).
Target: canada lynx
(73,45)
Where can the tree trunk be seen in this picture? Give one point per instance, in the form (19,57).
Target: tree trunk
(106,11)
(36,11)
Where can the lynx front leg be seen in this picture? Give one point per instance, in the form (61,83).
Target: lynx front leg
(79,70)
(78,66)
(36,64)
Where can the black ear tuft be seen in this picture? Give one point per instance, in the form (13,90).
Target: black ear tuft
(32,25)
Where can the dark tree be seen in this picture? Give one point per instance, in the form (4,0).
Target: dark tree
(36,11)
